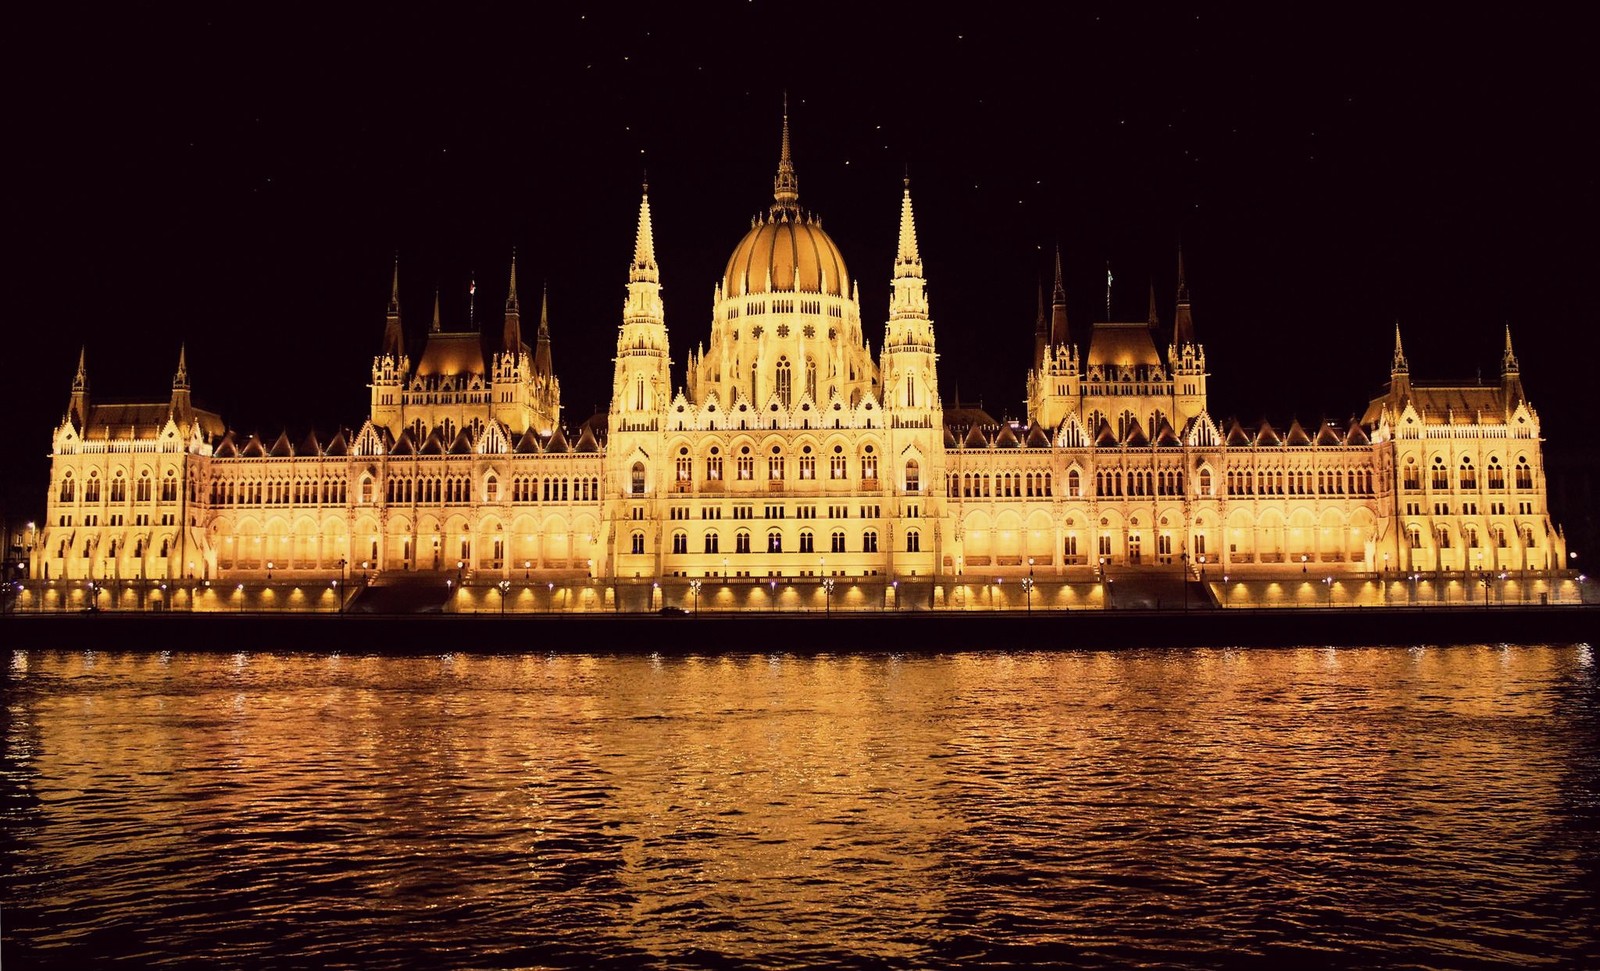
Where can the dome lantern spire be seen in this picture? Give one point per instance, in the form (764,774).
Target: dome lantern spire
(785,188)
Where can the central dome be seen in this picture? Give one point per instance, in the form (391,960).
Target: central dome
(792,251)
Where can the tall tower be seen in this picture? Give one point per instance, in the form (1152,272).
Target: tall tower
(1186,358)
(546,387)
(914,416)
(636,463)
(78,405)
(1054,384)
(391,366)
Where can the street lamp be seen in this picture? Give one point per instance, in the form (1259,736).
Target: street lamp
(269,571)
(694,587)
(1329,582)
(827,591)
(503,586)
(1027,588)
(1302,563)
(342,566)
(526,566)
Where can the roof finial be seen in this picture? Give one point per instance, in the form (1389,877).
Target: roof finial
(785,188)
(181,378)
(1108,289)
(1398,364)
(435,327)
(81,379)
(511,295)
(394,289)
(1508,362)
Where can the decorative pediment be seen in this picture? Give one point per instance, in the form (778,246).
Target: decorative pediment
(493,441)
(370,441)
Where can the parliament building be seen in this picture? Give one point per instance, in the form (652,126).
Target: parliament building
(789,450)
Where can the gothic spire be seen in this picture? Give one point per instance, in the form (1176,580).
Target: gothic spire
(1511,375)
(435,327)
(1059,334)
(1152,317)
(78,408)
(511,340)
(394,341)
(785,188)
(1183,322)
(908,262)
(644,269)
(181,378)
(1508,361)
(541,355)
(1397,364)
(80,381)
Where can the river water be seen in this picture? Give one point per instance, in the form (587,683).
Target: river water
(1430,807)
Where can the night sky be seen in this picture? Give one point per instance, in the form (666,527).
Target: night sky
(242,181)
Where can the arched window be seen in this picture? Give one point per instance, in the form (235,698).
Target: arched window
(714,465)
(1074,483)
(1441,475)
(913,541)
(1413,479)
(913,477)
(638,542)
(811,378)
(1205,482)
(775,464)
(711,541)
(67,489)
(836,544)
(491,489)
(1497,475)
(807,541)
(1469,475)
(784,380)
(638,478)
(1524,473)
(680,542)
(774,541)
(869,464)
(741,541)
(869,541)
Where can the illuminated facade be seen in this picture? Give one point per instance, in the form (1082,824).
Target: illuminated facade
(790,451)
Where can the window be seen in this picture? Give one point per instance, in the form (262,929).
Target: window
(774,542)
(1524,474)
(1441,477)
(836,464)
(775,463)
(1414,536)
(711,542)
(1105,545)
(1074,483)
(913,477)
(119,489)
(741,542)
(1412,477)
(638,542)
(491,489)
(747,463)
(869,541)
(784,379)
(1497,475)
(808,463)
(713,466)
(1070,546)
(141,491)
(680,542)
(66,488)
(684,472)
(869,464)
(913,541)
(811,372)
(1205,482)
(806,541)
(837,543)
(638,478)
(1469,475)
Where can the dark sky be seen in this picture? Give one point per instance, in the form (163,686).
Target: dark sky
(240,181)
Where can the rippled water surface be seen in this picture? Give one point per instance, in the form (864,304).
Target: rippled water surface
(1193,808)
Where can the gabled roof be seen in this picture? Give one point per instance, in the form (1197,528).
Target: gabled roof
(1007,438)
(1357,436)
(1297,434)
(463,443)
(433,444)
(1328,435)
(1167,436)
(950,438)
(1104,437)
(586,441)
(1037,437)
(557,443)
(406,444)
(1136,436)
(227,448)
(253,448)
(281,449)
(337,446)
(1237,436)
(310,446)
(1267,435)
(528,444)
(975,438)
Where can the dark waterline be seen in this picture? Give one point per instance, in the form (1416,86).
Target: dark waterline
(1352,807)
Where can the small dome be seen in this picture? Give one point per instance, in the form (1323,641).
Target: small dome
(794,249)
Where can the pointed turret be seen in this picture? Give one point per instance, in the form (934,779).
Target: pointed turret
(1183,321)
(541,358)
(644,269)
(511,339)
(1510,374)
(1059,335)
(394,338)
(1399,369)
(785,188)
(78,408)
(909,299)
(435,327)
(182,409)
(1152,317)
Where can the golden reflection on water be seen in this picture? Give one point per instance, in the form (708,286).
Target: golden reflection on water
(798,809)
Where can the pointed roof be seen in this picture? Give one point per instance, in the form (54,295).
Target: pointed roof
(542,365)
(950,438)
(975,438)
(1297,434)
(433,444)
(253,448)
(557,442)
(1104,436)
(586,440)
(406,444)
(180,379)
(907,262)
(644,268)
(1183,320)
(1167,436)
(281,447)
(1136,436)
(1328,434)
(511,338)
(1059,333)
(1237,436)
(311,445)
(1508,360)
(1397,364)
(337,444)
(1267,435)
(785,188)
(435,328)
(1037,436)
(1007,438)
(1152,317)
(394,341)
